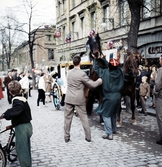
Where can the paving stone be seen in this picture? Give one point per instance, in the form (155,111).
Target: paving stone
(133,146)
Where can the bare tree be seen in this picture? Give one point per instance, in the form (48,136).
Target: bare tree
(135,7)
(31,34)
(8,37)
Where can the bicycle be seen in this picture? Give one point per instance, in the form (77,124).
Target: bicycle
(8,151)
(57,94)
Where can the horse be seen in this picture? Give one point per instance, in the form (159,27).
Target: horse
(130,70)
(93,94)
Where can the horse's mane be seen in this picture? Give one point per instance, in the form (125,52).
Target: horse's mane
(130,66)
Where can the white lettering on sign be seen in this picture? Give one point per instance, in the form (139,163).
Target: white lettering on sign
(155,50)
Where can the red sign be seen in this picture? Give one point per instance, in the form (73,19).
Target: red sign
(57,34)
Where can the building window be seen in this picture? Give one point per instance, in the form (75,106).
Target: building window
(50,54)
(123,12)
(146,10)
(73,3)
(74,34)
(106,17)
(158,7)
(63,34)
(82,27)
(59,4)
(63,5)
(93,21)
(48,37)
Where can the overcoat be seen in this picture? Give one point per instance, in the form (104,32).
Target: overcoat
(76,81)
(112,83)
(7,80)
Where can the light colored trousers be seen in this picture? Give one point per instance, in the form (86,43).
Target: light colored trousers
(68,116)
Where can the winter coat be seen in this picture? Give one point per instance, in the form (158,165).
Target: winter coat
(112,83)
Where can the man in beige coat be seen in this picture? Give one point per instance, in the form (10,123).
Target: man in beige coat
(76,80)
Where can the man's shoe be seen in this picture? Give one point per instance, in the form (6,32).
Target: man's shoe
(145,113)
(88,140)
(159,142)
(67,140)
(109,137)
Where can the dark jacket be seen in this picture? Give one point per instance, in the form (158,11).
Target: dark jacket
(20,112)
(138,81)
(7,80)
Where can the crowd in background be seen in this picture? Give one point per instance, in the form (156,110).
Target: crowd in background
(145,87)
(44,85)
(26,82)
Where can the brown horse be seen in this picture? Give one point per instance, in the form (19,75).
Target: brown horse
(93,94)
(130,70)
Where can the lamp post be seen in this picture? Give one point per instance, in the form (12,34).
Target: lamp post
(111,20)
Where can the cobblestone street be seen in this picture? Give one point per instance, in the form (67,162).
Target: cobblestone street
(133,146)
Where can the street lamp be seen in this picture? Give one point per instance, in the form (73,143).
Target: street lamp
(108,19)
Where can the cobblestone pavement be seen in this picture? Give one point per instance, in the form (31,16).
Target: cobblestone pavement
(133,146)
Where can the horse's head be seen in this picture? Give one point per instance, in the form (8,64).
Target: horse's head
(130,67)
(94,45)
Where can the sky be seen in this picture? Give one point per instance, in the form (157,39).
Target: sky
(44,11)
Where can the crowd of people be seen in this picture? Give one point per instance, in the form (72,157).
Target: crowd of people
(18,88)
(43,84)
(148,84)
(145,83)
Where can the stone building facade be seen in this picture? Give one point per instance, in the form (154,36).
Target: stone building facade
(44,51)
(110,18)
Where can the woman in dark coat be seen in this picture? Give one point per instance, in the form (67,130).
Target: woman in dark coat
(113,81)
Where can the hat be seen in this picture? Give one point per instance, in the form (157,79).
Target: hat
(92,33)
(114,62)
(9,70)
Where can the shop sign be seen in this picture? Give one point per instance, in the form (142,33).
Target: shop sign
(155,49)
